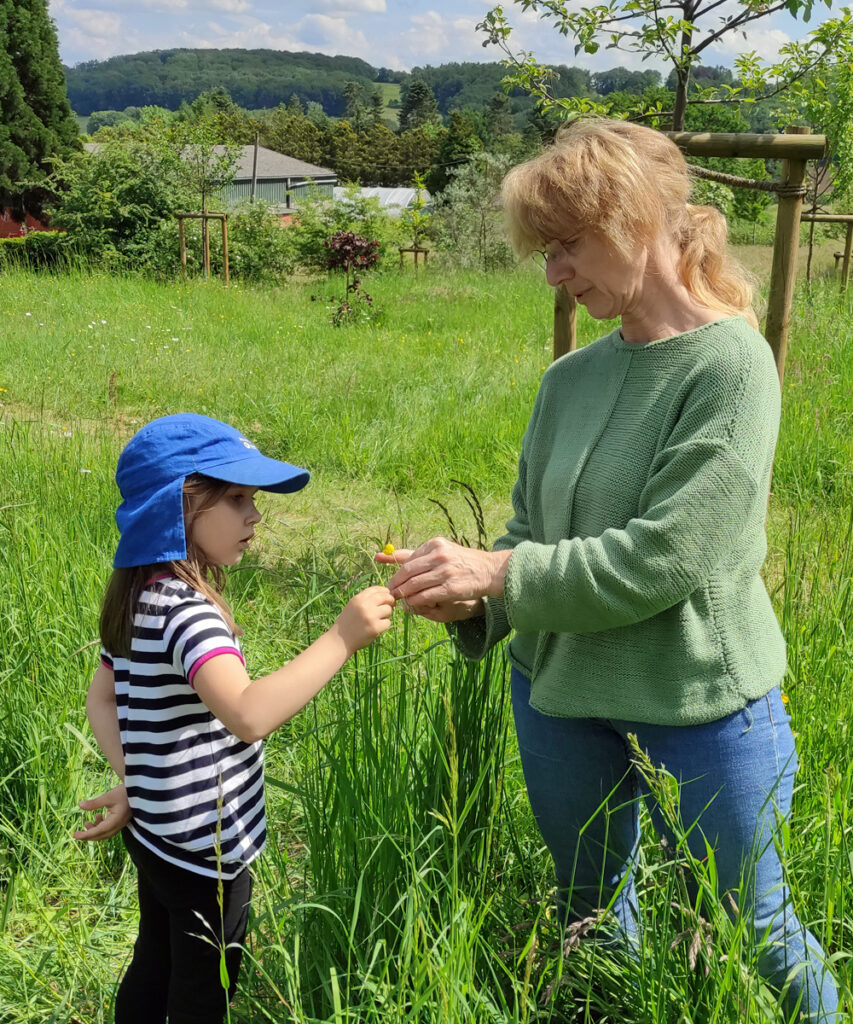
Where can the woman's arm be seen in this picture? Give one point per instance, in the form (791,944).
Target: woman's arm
(706,487)
(252,710)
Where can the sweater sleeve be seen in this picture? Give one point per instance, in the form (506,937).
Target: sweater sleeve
(704,488)
(474,637)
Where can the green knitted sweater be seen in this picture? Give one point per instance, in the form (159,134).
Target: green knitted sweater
(634,584)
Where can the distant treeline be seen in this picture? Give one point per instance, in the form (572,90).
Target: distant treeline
(253,78)
(258,79)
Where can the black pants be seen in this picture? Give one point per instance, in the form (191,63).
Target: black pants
(174,972)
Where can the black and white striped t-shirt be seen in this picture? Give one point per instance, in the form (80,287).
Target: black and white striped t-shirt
(175,750)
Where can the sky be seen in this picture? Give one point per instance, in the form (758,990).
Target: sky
(397,34)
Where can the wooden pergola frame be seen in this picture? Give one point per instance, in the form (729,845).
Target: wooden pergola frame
(205,236)
(837,218)
(794,148)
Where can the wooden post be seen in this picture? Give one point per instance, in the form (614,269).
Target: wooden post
(845,267)
(255,168)
(565,322)
(785,250)
(183,242)
(225,272)
(205,244)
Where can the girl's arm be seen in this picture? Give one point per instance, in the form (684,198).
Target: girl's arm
(252,710)
(103,719)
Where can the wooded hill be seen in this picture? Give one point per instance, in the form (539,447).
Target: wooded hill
(257,79)
(253,78)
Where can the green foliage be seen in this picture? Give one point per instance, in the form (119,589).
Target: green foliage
(468,221)
(259,248)
(37,250)
(416,218)
(638,26)
(824,100)
(252,78)
(318,218)
(419,107)
(404,879)
(461,141)
(115,202)
(713,193)
(36,124)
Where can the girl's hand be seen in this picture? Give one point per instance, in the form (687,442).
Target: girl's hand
(441,575)
(105,826)
(365,617)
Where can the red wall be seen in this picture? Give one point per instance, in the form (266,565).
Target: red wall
(11,228)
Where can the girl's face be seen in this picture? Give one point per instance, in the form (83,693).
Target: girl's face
(224,530)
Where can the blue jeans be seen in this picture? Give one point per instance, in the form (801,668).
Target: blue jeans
(736,777)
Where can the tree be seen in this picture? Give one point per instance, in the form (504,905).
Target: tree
(499,117)
(356,110)
(468,222)
(461,141)
(37,126)
(825,102)
(377,106)
(205,165)
(622,80)
(677,32)
(416,217)
(114,203)
(419,106)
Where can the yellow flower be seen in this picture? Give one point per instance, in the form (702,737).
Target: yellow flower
(388,549)
(784,698)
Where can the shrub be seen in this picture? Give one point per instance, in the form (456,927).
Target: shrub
(37,250)
(350,252)
(258,246)
(468,222)
(319,217)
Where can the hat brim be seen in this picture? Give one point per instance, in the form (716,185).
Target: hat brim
(262,472)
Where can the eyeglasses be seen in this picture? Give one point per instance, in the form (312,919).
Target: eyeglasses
(556,250)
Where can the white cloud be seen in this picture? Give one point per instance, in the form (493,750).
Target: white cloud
(433,35)
(318,32)
(350,6)
(766,42)
(333,35)
(226,6)
(100,25)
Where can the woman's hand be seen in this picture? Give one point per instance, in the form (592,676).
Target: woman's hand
(445,581)
(116,815)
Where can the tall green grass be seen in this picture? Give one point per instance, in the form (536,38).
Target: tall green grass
(404,878)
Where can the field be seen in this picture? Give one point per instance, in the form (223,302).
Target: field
(404,880)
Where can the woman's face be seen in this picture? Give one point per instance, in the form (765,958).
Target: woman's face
(607,283)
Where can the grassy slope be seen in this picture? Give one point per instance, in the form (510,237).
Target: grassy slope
(385,416)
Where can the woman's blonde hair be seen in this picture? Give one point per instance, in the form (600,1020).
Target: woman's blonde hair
(631,185)
(126,585)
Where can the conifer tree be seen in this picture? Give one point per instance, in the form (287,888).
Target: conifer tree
(35,109)
(419,106)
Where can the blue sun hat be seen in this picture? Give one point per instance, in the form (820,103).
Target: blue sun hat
(151,472)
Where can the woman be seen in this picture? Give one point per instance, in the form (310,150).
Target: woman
(629,573)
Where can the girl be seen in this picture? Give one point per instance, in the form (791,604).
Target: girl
(176,714)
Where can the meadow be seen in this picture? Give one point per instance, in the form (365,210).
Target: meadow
(404,879)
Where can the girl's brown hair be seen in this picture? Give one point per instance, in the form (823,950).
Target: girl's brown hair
(125,585)
(630,184)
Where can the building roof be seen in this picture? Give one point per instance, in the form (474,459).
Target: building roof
(274,165)
(271,165)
